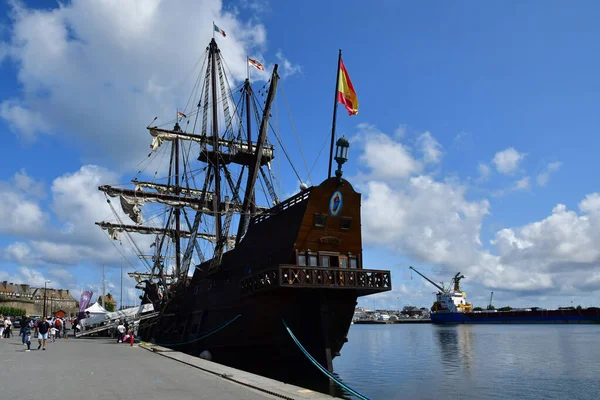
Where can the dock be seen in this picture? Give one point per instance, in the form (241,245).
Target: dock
(101,369)
(400,321)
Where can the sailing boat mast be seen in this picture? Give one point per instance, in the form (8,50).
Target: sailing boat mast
(215,137)
(177,191)
(254,167)
(249,127)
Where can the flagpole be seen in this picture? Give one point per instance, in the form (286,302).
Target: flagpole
(248,66)
(337,79)
(213,30)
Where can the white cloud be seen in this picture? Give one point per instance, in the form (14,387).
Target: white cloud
(544,177)
(72,237)
(591,203)
(522,184)
(287,68)
(26,122)
(428,220)
(19,208)
(430,147)
(73,62)
(507,161)
(385,157)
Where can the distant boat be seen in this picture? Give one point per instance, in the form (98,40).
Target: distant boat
(451,307)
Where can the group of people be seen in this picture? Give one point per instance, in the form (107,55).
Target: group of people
(45,329)
(124,332)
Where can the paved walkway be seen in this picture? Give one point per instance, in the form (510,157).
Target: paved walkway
(100,369)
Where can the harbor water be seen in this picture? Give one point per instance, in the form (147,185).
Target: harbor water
(525,362)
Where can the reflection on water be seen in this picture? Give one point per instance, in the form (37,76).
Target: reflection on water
(456,348)
(472,362)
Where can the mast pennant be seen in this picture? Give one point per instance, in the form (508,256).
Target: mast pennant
(256,64)
(346,93)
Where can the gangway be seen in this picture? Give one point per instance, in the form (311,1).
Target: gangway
(112,321)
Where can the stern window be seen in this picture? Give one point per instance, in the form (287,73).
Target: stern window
(320,220)
(345,223)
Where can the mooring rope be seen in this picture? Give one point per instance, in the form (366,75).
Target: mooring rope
(320,367)
(201,337)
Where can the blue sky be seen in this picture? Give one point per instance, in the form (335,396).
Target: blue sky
(444,90)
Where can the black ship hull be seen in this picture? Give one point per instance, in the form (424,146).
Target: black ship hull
(274,275)
(251,335)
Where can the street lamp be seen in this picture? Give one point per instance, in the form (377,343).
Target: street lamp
(45,282)
(341,154)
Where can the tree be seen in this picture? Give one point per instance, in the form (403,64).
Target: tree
(579,307)
(109,303)
(507,308)
(478,309)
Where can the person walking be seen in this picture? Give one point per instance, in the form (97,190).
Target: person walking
(25,330)
(121,332)
(7,328)
(1,326)
(43,328)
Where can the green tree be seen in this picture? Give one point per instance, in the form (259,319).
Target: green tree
(579,307)
(478,309)
(11,311)
(507,308)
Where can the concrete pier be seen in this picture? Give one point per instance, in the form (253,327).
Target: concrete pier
(101,369)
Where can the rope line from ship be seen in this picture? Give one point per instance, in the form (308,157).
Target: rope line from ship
(321,368)
(201,337)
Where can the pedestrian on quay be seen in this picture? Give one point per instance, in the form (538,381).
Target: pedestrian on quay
(7,328)
(52,334)
(43,328)
(25,329)
(1,326)
(120,332)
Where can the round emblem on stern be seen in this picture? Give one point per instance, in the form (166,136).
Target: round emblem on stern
(335,203)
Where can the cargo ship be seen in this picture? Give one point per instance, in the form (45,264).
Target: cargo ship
(451,307)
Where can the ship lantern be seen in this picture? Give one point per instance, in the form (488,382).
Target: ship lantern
(341,154)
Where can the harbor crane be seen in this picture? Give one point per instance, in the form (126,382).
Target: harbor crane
(490,307)
(429,280)
(456,280)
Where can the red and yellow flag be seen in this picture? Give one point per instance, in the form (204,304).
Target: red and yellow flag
(346,93)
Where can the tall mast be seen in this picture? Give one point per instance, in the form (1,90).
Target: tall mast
(177,191)
(215,136)
(249,128)
(254,167)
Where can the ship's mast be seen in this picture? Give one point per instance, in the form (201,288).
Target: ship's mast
(215,136)
(249,131)
(177,191)
(254,166)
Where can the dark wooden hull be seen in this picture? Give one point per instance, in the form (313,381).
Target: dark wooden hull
(250,335)
(290,266)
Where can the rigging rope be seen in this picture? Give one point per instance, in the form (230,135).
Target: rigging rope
(201,337)
(320,367)
(295,131)
(283,148)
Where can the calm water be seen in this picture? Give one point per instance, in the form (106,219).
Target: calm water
(523,362)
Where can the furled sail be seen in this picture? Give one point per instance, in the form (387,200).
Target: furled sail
(131,207)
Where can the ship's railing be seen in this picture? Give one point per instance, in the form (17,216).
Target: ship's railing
(259,281)
(318,277)
(299,198)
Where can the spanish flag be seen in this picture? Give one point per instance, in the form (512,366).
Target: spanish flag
(346,93)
